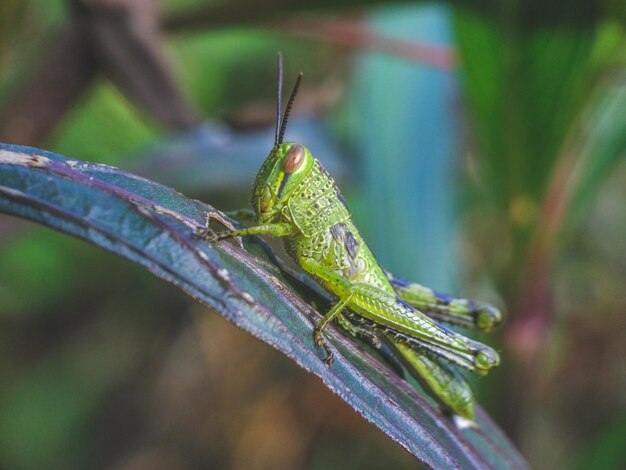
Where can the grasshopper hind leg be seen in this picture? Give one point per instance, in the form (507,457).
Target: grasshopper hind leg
(383,308)
(441,307)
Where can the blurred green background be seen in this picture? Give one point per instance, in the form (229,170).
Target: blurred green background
(480,146)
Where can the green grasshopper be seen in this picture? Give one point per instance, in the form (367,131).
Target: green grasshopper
(293,197)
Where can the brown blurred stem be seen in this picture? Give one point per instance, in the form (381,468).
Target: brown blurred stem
(119,38)
(126,39)
(353,34)
(58,81)
(227,13)
(254,12)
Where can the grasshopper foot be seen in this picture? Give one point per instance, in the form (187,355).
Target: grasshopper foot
(320,342)
(487,317)
(206,234)
(485,360)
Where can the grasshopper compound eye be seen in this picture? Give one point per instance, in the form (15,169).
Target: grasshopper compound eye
(294,159)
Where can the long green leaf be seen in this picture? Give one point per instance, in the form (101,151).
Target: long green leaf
(604,146)
(153,225)
(525,82)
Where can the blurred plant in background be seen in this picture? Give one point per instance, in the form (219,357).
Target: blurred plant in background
(480,145)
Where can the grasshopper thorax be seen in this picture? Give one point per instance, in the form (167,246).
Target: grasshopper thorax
(283,170)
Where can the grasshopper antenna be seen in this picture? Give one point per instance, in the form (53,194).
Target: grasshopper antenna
(283,124)
(279,92)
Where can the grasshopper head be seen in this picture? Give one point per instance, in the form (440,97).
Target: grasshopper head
(283,170)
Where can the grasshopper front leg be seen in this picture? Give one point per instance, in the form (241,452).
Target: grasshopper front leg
(442,307)
(400,320)
(278,230)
